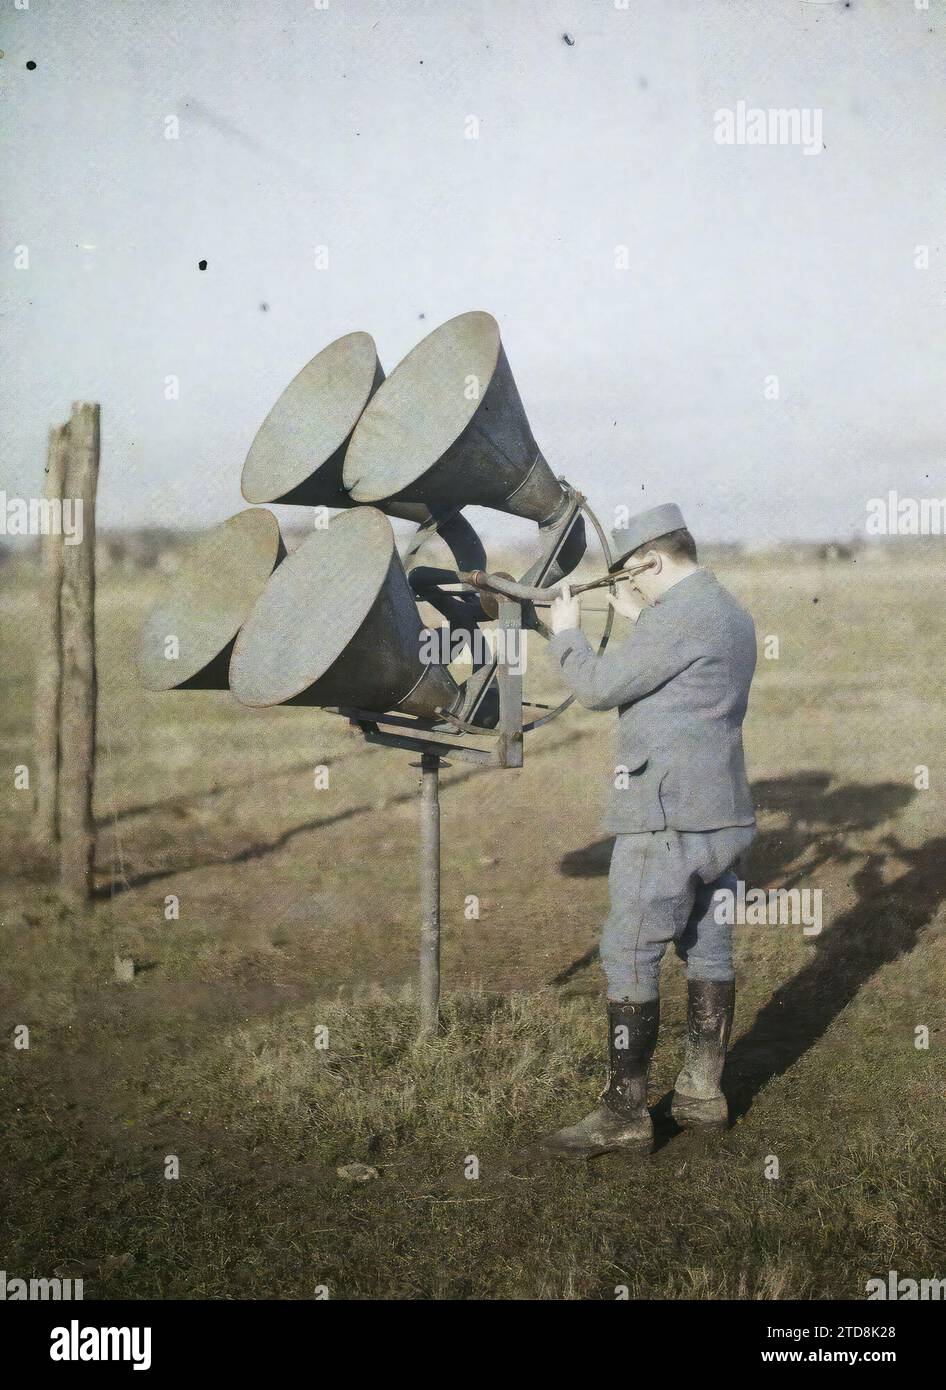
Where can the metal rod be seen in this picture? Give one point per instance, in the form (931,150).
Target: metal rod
(479,682)
(509,677)
(429,893)
(525,593)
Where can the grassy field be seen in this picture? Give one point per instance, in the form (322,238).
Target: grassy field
(297,910)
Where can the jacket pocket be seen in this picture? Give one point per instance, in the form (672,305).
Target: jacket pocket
(663,792)
(634,803)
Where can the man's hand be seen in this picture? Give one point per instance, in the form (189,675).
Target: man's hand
(565,611)
(627,603)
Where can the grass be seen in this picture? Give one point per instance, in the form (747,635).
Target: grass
(297,911)
(260,1118)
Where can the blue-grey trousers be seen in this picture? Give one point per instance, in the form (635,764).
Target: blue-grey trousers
(662,884)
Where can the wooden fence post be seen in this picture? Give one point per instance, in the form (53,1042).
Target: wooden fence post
(46,700)
(77,723)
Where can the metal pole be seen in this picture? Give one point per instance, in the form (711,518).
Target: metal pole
(430,893)
(509,679)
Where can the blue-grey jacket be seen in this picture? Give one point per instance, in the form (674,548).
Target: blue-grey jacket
(680,684)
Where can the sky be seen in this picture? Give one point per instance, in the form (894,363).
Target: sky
(647,373)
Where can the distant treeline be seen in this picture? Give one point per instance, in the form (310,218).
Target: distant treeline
(149,548)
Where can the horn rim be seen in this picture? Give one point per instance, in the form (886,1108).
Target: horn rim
(230,562)
(400,463)
(277,447)
(363,532)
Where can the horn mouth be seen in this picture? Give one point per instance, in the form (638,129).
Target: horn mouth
(423,407)
(314,606)
(222,574)
(338,626)
(299,450)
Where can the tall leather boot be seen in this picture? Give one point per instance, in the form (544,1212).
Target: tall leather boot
(697,1097)
(622,1121)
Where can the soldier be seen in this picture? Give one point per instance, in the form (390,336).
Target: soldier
(681,812)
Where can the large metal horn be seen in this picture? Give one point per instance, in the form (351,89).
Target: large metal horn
(448,429)
(337,625)
(189,635)
(299,449)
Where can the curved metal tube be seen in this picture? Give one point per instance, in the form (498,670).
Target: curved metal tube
(608,624)
(524,593)
(493,583)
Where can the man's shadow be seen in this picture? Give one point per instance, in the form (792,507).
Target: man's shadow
(886,921)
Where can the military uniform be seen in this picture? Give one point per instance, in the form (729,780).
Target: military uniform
(679,803)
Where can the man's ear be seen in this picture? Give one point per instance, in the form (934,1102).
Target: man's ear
(655,560)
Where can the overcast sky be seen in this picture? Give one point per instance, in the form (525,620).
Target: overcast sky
(344,127)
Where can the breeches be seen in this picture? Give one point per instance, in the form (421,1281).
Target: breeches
(662,884)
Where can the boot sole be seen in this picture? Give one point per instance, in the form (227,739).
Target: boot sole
(641,1148)
(687,1115)
(639,1144)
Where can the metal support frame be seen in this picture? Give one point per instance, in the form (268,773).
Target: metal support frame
(432,744)
(434,739)
(423,736)
(498,747)
(509,680)
(429,985)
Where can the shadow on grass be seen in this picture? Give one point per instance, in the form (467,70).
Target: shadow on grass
(185,799)
(261,848)
(242,856)
(886,921)
(816,812)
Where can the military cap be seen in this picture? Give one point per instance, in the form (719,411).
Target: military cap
(644,527)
